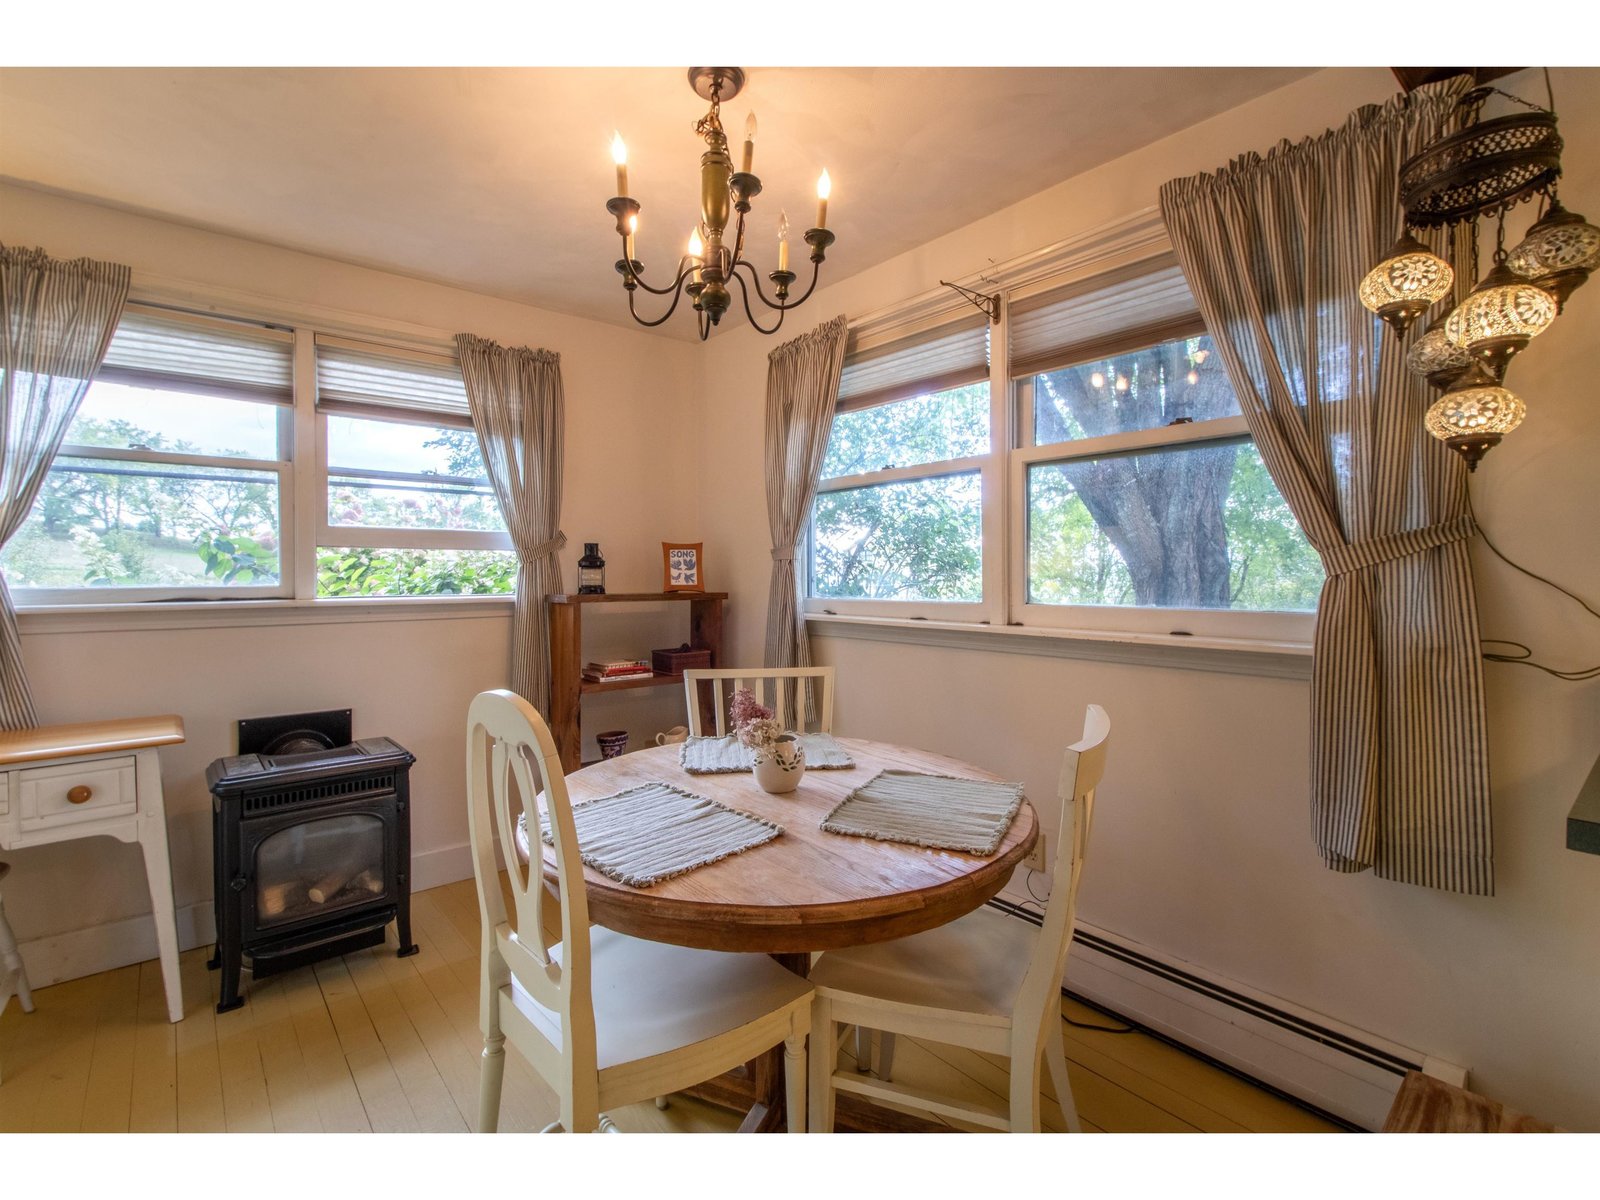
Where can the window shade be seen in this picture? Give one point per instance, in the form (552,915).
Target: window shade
(360,380)
(949,356)
(152,348)
(1101,317)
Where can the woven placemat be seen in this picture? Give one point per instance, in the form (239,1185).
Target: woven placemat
(724,755)
(938,811)
(655,831)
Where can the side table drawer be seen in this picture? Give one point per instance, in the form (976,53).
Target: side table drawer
(48,797)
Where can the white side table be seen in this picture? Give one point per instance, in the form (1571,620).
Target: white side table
(97,779)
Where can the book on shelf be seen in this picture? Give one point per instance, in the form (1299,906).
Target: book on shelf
(622,666)
(617,676)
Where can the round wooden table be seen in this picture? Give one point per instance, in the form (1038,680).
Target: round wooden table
(807,890)
(804,891)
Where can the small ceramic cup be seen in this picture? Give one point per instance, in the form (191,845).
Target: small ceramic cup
(678,733)
(612,743)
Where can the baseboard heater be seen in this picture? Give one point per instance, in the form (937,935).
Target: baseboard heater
(1344,1074)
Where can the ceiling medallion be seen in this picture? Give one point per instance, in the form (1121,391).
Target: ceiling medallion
(711,266)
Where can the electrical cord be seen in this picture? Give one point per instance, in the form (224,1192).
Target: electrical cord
(1523,655)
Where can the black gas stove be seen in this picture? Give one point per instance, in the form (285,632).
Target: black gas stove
(311,845)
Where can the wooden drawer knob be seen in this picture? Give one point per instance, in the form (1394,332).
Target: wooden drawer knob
(80,794)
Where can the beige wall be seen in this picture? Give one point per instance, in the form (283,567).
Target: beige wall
(409,680)
(1202,844)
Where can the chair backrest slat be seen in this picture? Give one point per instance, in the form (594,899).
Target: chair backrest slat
(782,689)
(512,763)
(1082,767)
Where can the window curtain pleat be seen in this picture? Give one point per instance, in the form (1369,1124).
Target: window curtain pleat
(802,385)
(59,320)
(1274,250)
(519,413)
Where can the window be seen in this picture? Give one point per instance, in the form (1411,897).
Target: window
(177,478)
(407,509)
(1133,497)
(172,479)
(899,514)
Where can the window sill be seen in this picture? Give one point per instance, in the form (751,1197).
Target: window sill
(1228,656)
(223,614)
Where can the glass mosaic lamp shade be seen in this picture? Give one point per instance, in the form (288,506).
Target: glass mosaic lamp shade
(1406,283)
(1499,317)
(1473,416)
(1435,357)
(1558,254)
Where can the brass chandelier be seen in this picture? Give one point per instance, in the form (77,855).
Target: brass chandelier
(711,266)
(1483,171)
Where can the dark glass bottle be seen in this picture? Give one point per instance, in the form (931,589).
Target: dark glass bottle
(591,571)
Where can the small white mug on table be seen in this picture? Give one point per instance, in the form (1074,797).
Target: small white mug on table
(678,733)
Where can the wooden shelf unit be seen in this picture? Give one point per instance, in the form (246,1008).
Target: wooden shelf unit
(567,685)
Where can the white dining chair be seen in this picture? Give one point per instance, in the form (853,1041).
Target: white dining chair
(782,689)
(605,1019)
(986,981)
(13,975)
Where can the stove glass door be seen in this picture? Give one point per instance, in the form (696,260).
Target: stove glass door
(318,867)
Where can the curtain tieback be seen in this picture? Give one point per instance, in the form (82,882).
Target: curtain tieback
(1359,555)
(553,546)
(783,555)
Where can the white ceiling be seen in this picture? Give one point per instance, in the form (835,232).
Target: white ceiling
(496,180)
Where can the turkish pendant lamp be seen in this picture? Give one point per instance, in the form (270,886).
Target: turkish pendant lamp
(1558,254)
(1475,414)
(1408,282)
(1501,315)
(1435,357)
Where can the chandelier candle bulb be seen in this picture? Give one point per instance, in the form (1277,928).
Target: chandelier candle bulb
(633,228)
(619,155)
(783,241)
(697,252)
(749,142)
(824,187)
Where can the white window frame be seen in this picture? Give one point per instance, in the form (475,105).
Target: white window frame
(992,481)
(1005,519)
(282,466)
(301,469)
(383,537)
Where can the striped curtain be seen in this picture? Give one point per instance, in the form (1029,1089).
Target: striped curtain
(802,387)
(59,318)
(1274,250)
(519,413)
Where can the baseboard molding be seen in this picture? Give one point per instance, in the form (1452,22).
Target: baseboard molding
(1348,1073)
(81,952)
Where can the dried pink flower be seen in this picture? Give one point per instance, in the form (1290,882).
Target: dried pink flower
(759,732)
(745,708)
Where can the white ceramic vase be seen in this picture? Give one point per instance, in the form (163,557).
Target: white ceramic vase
(779,766)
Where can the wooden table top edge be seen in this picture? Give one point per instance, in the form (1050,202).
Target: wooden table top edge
(785,928)
(89,737)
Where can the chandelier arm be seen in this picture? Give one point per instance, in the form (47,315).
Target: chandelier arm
(816,270)
(755,279)
(744,295)
(662,319)
(683,271)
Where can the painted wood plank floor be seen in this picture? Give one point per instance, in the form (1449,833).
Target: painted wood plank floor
(374,1042)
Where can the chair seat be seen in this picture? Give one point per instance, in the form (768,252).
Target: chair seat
(973,966)
(651,998)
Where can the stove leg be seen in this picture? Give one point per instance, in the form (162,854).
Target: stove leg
(402,929)
(229,999)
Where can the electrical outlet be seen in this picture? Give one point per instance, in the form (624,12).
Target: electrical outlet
(1036,860)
